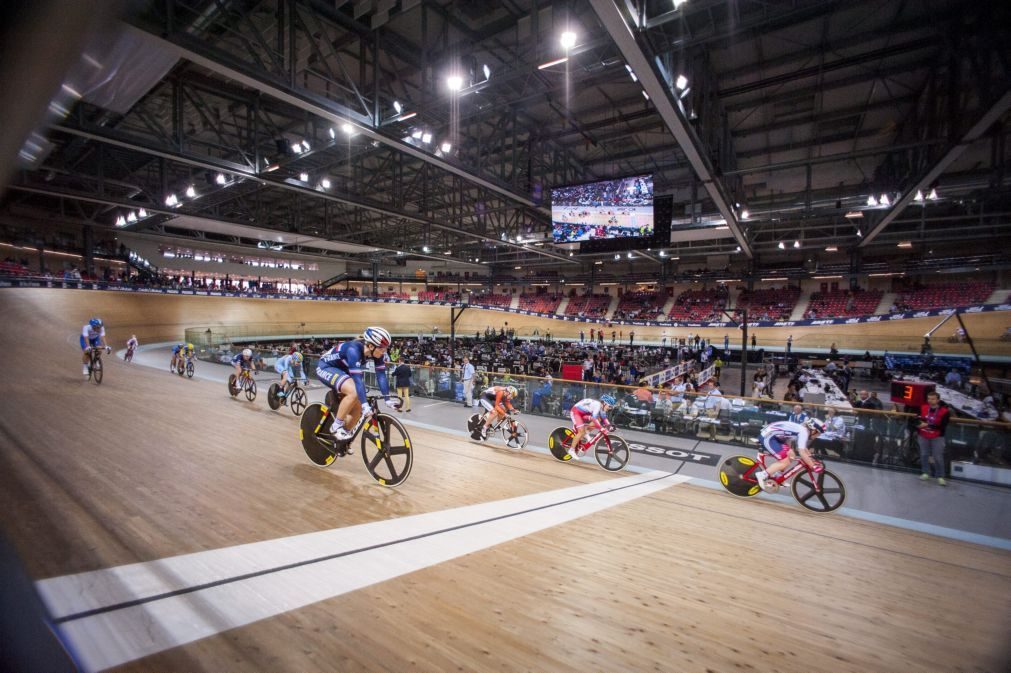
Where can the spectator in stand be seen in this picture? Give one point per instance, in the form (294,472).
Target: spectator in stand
(868,402)
(834,435)
(402,378)
(789,344)
(631,337)
(791,394)
(953,379)
(643,395)
(541,393)
(933,422)
(798,415)
(467,376)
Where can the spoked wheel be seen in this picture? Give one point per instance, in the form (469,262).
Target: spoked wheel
(386,450)
(559,442)
(233,390)
(614,457)
(96,371)
(829,496)
(272,400)
(317,443)
(189,370)
(250,390)
(515,434)
(298,401)
(737,476)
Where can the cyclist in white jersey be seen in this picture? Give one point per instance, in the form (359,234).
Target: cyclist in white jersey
(775,438)
(591,410)
(92,334)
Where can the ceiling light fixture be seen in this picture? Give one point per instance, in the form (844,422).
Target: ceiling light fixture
(221,179)
(796,244)
(681,83)
(557,61)
(131,217)
(304,177)
(568,40)
(142,213)
(325,183)
(781,246)
(884,201)
(630,73)
(446,147)
(347,128)
(397,107)
(871,201)
(454,82)
(191,192)
(932,196)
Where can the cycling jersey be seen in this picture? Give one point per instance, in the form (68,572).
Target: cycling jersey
(287,364)
(242,362)
(496,399)
(347,359)
(91,337)
(132,344)
(587,409)
(774,437)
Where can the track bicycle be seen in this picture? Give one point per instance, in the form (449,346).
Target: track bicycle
(294,397)
(385,444)
(128,356)
(245,383)
(95,364)
(610,451)
(819,492)
(184,365)
(514,433)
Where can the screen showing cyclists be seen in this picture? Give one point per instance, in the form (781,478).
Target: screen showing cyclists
(776,438)
(583,413)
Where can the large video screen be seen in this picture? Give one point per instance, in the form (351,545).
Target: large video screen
(608,209)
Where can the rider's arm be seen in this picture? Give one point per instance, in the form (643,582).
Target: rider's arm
(802,436)
(384,382)
(499,394)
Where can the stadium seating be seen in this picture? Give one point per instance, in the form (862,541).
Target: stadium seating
(699,305)
(769,303)
(393,295)
(945,295)
(491,299)
(589,306)
(843,303)
(640,305)
(541,303)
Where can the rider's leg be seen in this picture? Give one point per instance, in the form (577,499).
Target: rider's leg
(284,382)
(349,408)
(85,356)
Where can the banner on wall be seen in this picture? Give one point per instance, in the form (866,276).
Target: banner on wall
(117,287)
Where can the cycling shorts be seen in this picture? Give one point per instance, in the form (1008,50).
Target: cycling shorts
(772,445)
(332,376)
(579,418)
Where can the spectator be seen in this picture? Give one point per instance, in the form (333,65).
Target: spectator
(953,379)
(467,375)
(933,422)
(402,377)
(868,402)
(789,344)
(791,394)
(797,415)
(834,435)
(643,395)
(541,393)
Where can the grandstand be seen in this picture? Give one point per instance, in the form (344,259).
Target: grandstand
(944,295)
(541,303)
(640,305)
(491,299)
(769,303)
(700,305)
(843,303)
(588,306)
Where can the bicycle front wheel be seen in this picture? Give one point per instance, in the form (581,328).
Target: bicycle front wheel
(298,401)
(189,370)
(515,434)
(250,390)
(386,450)
(614,457)
(96,371)
(829,495)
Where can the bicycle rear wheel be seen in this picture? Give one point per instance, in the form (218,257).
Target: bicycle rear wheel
(614,457)
(515,434)
(272,400)
(736,476)
(319,449)
(830,496)
(96,370)
(560,441)
(233,390)
(386,450)
(298,401)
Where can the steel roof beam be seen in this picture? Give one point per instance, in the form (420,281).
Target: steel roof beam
(986,120)
(670,111)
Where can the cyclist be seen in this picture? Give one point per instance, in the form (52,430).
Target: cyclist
(497,402)
(242,362)
(286,367)
(775,439)
(588,410)
(177,354)
(131,347)
(92,335)
(341,368)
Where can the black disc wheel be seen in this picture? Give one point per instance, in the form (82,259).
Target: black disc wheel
(232,388)
(560,441)
(612,453)
(272,400)
(319,446)
(819,492)
(298,401)
(474,422)
(96,371)
(736,475)
(189,370)
(514,434)
(386,450)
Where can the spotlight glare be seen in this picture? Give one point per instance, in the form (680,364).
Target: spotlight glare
(142,213)
(416,135)
(871,201)
(568,39)
(884,201)
(796,244)
(454,82)
(191,192)
(745,214)
(781,246)
(347,128)
(426,138)
(132,217)
(333,134)
(221,179)
(296,148)
(446,147)
(398,108)
(120,221)
(681,83)
(919,196)
(486,70)
(304,177)
(325,183)
(305,144)
(932,196)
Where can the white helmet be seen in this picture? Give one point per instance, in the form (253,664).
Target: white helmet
(377,336)
(247,353)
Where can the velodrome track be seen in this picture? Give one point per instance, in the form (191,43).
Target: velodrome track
(645,572)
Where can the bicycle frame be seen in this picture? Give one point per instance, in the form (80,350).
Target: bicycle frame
(791,472)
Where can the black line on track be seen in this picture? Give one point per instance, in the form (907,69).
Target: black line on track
(351,552)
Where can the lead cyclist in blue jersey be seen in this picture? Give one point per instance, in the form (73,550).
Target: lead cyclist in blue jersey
(92,335)
(341,368)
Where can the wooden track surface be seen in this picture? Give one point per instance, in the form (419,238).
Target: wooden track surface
(149,465)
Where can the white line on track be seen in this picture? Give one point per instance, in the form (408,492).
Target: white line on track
(113,616)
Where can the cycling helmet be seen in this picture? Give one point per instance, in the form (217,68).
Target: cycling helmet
(189,347)
(815,424)
(247,352)
(296,357)
(377,336)
(608,400)
(512,391)
(95,323)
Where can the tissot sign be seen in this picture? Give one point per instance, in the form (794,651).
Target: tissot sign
(697,457)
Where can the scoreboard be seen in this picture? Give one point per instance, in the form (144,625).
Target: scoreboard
(911,393)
